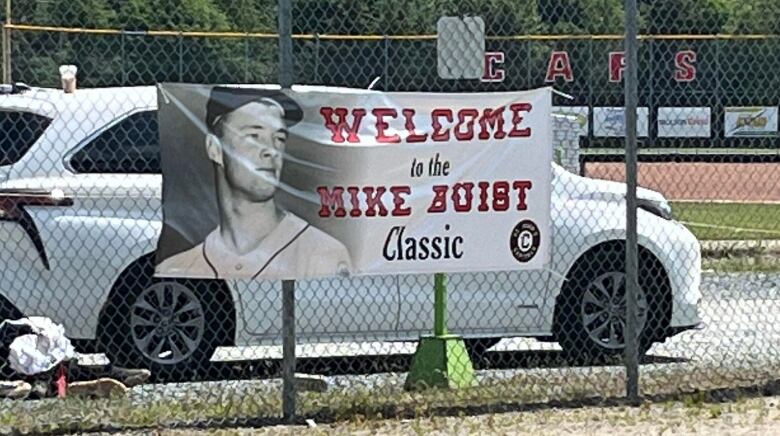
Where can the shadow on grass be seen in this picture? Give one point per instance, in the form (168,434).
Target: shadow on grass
(395,363)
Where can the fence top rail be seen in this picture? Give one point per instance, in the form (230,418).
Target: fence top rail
(312,36)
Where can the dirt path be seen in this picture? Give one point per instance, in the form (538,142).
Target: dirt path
(749,182)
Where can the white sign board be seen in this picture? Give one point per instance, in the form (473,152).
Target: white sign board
(460,47)
(684,122)
(755,122)
(318,182)
(611,121)
(577,114)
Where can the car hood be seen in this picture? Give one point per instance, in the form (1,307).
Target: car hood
(572,186)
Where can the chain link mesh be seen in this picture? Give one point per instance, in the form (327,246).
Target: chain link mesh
(708,142)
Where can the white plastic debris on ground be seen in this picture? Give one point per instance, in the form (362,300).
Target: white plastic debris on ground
(41,350)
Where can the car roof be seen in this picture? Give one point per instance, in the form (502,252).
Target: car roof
(51,102)
(76,118)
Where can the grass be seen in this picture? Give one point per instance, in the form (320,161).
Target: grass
(753,416)
(537,389)
(730,221)
(754,263)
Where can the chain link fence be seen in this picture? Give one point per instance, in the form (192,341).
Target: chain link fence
(707,127)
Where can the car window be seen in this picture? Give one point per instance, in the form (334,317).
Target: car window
(18,132)
(130,146)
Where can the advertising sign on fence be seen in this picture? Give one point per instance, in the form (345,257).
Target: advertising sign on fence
(317,182)
(756,122)
(611,121)
(577,114)
(684,122)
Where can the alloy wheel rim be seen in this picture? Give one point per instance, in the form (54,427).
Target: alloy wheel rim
(603,310)
(167,323)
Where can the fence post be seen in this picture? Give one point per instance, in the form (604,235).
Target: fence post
(288,286)
(246,57)
(386,69)
(630,335)
(591,118)
(286,78)
(316,57)
(180,49)
(528,75)
(123,55)
(652,128)
(6,46)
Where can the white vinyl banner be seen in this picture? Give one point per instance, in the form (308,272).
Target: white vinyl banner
(611,121)
(756,122)
(265,183)
(684,122)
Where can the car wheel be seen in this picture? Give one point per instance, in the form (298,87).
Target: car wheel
(590,316)
(171,327)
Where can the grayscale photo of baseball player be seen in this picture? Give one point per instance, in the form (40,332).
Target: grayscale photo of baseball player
(245,141)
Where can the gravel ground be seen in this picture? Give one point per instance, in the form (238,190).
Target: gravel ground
(741,339)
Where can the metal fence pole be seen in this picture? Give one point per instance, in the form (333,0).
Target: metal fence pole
(286,78)
(6,46)
(123,57)
(591,119)
(630,335)
(386,68)
(246,58)
(288,286)
(652,129)
(181,57)
(316,58)
(288,350)
(6,78)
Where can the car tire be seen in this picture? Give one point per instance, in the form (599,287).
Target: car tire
(169,326)
(590,313)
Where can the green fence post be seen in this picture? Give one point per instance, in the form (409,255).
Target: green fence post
(439,305)
(441,360)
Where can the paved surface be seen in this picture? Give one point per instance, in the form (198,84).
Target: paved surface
(746,182)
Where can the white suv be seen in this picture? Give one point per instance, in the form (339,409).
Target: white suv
(80,216)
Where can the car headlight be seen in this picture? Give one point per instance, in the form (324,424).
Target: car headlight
(659,208)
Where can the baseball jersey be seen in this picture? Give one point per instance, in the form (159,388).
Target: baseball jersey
(294,249)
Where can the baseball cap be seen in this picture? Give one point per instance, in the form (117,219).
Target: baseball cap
(225,99)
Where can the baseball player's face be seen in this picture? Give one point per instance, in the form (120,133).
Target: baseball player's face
(253,138)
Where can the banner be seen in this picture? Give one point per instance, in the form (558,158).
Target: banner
(750,122)
(684,122)
(611,121)
(264,183)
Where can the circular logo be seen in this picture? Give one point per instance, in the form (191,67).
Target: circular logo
(524,241)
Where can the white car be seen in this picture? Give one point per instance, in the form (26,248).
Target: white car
(80,197)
